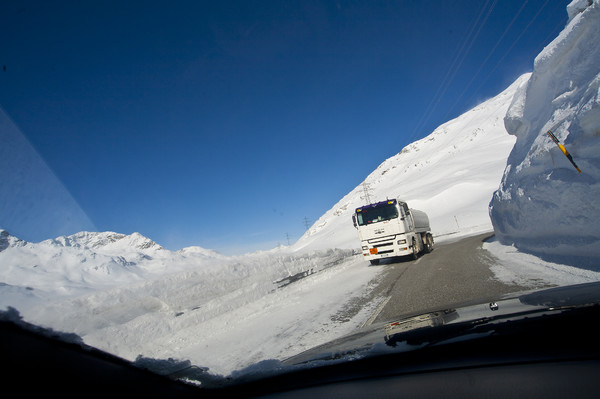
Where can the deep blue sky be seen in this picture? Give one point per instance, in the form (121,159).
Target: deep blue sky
(225,124)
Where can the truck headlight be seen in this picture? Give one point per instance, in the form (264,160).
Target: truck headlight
(400,242)
(365,248)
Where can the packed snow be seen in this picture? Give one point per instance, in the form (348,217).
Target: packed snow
(129,296)
(544,205)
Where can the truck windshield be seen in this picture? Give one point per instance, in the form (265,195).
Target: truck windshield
(377,214)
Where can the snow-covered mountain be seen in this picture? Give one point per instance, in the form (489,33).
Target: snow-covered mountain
(6,240)
(450,174)
(87,261)
(544,205)
(71,264)
(126,295)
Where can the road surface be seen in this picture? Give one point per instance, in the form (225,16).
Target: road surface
(454,273)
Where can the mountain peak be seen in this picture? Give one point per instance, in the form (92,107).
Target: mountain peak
(106,242)
(7,240)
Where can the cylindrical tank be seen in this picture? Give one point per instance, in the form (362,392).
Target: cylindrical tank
(421,220)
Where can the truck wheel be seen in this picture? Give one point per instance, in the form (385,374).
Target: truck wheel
(415,250)
(374,262)
(428,243)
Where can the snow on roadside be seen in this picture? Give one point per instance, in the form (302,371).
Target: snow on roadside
(283,323)
(158,319)
(526,270)
(223,313)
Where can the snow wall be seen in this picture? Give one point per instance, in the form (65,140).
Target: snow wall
(544,206)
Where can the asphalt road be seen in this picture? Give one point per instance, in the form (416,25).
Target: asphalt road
(454,273)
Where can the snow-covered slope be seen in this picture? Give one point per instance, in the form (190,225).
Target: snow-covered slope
(450,174)
(544,205)
(86,262)
(127,295)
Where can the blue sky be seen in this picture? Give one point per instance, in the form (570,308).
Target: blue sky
(227,124)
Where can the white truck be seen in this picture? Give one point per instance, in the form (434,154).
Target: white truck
(390,228)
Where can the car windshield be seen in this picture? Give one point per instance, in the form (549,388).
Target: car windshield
(178,181)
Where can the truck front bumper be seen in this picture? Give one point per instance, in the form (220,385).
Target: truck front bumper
(386,247)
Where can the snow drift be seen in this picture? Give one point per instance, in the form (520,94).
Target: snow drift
(544,206)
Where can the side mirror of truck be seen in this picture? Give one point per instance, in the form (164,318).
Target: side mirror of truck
(354,220)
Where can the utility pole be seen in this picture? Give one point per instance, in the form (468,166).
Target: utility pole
(366,187)
(306,223)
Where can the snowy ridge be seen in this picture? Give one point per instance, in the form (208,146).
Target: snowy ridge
(199,251)
(110,242)
(6,240)
(87,261)
(450,174)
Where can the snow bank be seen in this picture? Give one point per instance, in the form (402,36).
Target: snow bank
(514,267)
(543,205)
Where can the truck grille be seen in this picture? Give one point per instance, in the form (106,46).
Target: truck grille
(380,248)
(386,239)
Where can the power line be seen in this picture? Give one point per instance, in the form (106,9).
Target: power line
(512,45)
(457,62)
(487,58)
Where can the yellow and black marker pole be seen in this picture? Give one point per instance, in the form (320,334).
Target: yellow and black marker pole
(563,149)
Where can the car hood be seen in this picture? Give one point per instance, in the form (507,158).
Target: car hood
(469,321)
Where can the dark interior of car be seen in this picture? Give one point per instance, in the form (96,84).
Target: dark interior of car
(543,357)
